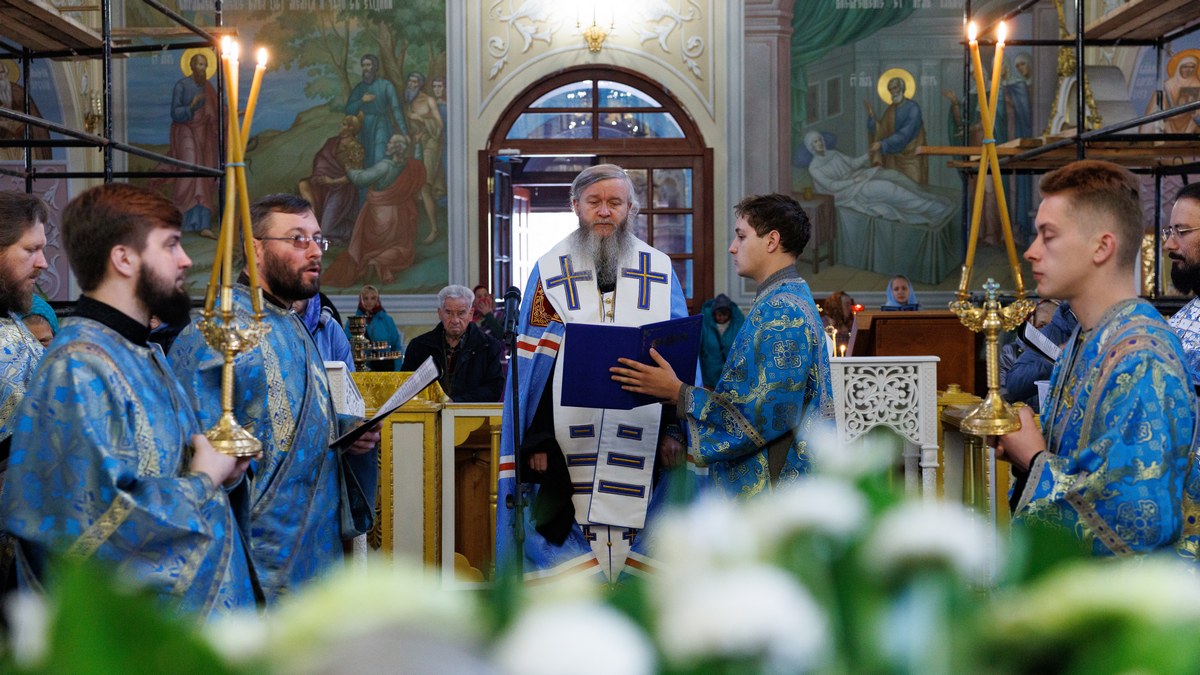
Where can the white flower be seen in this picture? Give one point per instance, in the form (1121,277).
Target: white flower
(390,595)
(924,533)
(712,532)
(749,612)
(851,461)
(814,504)
(1158,590)
(575,638)
(28,624)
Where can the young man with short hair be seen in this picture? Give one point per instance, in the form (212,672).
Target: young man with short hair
(1118,422)
(108,459)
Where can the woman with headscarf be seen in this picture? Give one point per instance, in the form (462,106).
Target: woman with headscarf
(900,295)
(380,327)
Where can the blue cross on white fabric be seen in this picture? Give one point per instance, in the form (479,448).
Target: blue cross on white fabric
(644,277)
(568,279)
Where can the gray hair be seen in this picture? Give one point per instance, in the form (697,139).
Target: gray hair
(594,174)
(455,292)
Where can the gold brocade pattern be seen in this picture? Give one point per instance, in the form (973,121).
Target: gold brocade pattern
(103,527)
(283,424)
(541,311)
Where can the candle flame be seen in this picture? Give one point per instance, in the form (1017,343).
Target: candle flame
(226,46)
(235,50)
(262,56)
(1001,33)
(971,31)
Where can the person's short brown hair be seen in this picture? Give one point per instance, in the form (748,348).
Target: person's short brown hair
(280,202)
(777,212)
(116,214)
(1098,188)
(18,212)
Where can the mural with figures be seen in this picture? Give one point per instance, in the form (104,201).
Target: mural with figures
(874,80)
(351,116)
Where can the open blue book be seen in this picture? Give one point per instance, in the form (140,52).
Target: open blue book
(593,348)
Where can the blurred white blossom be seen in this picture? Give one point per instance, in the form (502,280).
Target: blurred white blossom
(28,619)
(1157,590)
(574,638)
(713,532)
(925,533)
(819,505)
(754,612)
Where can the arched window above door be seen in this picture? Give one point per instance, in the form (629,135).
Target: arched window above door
(589,115)
(595,109)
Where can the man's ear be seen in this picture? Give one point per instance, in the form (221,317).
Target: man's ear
(575,206)
(1104,247)
(124,260)
(773,239)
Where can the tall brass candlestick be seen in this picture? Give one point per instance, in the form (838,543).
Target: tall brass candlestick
(222,329)
(992,417)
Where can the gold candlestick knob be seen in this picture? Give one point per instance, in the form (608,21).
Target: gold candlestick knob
(992,417)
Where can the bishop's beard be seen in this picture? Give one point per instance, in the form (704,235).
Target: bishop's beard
(606,253)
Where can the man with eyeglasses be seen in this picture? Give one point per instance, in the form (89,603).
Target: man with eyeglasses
(1109,462)
(1181,243)
(293,495)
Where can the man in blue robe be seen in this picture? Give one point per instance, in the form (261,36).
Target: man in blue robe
(1118,422)
(1181,244)
(774,397)
(598,486)
(382,116)
(22,258)
(281,393)
(108,460)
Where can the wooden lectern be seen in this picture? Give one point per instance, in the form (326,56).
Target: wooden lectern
(922,333)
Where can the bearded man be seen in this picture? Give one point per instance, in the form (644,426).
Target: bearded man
(296,519)
(597,482)
(22,258)
(1181,243)
(108,460)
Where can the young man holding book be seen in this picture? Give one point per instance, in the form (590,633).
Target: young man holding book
(773,397)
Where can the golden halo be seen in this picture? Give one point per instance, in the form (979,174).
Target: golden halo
(1173,64)
(185,63)
(910,85)
(13,70)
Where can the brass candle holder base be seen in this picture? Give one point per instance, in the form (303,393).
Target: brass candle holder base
(230,438)
(992,417)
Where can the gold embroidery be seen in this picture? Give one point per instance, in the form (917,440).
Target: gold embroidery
(541,312)
(103,527)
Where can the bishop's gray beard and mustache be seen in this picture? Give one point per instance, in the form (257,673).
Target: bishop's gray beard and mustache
(606,253)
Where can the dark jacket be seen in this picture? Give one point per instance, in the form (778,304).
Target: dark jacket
(714,346)
(476,376)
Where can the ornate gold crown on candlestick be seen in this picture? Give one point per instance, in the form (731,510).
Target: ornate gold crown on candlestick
(992,417)
(221,328)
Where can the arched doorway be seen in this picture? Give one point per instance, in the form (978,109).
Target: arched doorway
(591,115)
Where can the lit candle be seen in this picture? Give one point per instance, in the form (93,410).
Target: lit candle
(233,146)
(997,66)
(980,88)
(253,100)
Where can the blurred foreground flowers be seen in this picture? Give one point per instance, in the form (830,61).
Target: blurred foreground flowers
(837,575)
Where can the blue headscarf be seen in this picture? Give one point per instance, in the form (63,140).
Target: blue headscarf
(43,309)
(912,295)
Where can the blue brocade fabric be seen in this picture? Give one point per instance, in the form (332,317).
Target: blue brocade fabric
(775,381)
(99,470)
(19,356)
(1118,422)
(281,395)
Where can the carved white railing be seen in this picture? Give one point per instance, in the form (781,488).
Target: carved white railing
(898,392)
